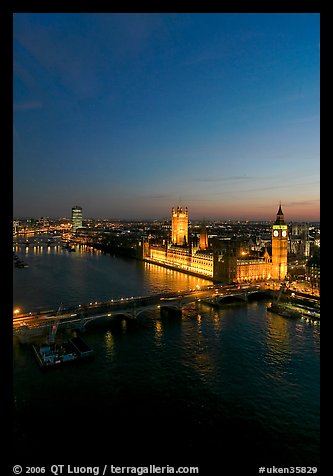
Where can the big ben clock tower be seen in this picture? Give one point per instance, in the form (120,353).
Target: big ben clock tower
(279,247)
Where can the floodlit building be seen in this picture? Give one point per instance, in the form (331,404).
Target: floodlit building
(179,226)
(226,265)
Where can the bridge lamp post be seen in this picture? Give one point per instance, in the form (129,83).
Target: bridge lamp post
(16,311)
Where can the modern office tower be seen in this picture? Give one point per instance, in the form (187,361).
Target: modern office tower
(279,247)
(76,218)
(179,227)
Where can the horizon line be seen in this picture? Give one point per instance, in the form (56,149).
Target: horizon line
(27,217)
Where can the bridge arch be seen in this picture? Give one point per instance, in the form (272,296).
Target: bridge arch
(174,307)
(115,317)
(233,298)
(147,308)
(260,294)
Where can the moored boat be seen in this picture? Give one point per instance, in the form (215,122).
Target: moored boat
(293,311)
(54,354)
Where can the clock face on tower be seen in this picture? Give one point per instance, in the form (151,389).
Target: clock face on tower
(276,233)
(284,233)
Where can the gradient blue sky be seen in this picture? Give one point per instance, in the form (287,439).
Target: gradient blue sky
(130,114)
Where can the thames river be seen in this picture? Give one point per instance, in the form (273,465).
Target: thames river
(235,387)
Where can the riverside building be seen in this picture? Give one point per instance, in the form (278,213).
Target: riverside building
(227,264)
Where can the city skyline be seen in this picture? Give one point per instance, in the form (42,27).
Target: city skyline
(203,220)
(129,114)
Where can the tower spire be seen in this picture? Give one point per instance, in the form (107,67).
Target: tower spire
(279,247)
(279,216)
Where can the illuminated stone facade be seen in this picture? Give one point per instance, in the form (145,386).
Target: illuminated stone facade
(225,266)
(179,226)
(279,247)
(257,269)
(182,258)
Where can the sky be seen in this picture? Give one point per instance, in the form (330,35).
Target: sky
(131,114)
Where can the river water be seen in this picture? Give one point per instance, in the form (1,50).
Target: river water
(234,388)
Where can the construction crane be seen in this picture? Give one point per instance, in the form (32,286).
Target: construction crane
(54,326)
(281,290)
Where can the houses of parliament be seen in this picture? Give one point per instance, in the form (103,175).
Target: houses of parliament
(225,264)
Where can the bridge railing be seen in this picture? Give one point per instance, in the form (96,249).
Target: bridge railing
(137,300)
(114,302)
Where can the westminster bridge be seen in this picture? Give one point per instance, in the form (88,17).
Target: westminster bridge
(131,308)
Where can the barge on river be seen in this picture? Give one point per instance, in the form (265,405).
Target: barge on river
(294,311)
(54,354)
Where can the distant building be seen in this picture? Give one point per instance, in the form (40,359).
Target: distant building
(203,241)
(227,264)
(76,218)
(43,222)
(16,225)
(312,270)
(299,240)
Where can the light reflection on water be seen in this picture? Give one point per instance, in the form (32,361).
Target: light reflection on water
(56,275)
(198,375)
(158,332)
